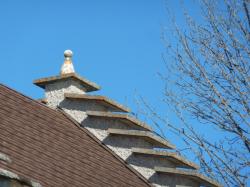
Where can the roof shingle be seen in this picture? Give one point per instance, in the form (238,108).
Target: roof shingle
(48,147)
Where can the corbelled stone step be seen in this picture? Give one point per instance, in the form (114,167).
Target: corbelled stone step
(101,100)
(203,180)
(146,135)
(122,117)
(173,157)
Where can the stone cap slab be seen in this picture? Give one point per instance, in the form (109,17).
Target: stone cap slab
(203,180)
(99,99)
(90,86)
(147,135)
(123,117)
(180,161)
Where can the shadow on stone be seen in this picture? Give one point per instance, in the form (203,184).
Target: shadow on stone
(149,161)
(172,180)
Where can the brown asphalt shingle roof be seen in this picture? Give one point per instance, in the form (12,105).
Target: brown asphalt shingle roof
(46,146)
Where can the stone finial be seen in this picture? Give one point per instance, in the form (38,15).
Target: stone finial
(67,66)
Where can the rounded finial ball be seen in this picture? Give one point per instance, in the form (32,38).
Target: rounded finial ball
(68,53)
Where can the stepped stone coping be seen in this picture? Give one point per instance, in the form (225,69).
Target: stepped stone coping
(90,86)
(147,135)
(124,117)
(205,181)
(101,99)
(172,156)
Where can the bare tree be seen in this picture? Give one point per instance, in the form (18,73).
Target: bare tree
(208,82)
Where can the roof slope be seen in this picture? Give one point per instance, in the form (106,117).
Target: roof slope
(46,146)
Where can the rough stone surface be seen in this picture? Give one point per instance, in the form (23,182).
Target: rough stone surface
(148,136)
(146,164)
(180,162)
(82,105)
(54,92)
(121,145)
(162,180)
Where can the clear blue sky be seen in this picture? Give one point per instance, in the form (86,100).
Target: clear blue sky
(115,43)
